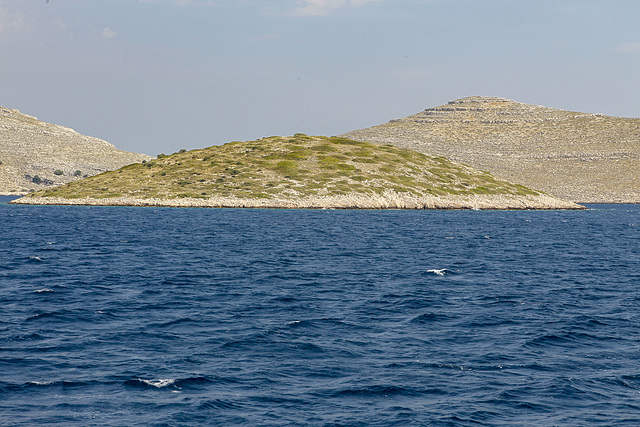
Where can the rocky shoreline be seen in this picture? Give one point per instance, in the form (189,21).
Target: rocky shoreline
(387,200)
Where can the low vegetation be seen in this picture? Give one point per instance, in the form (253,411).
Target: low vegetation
(289,167)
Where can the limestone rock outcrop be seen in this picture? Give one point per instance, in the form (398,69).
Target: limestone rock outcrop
(586,158)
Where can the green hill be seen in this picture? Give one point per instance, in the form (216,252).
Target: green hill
(299,171)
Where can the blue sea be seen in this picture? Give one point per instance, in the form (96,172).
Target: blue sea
(117,316)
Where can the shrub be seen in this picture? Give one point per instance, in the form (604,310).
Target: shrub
(77,173)
(161,155)
(58,172)
(287,167)
(36,179)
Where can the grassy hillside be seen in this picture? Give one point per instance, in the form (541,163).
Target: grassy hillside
(289,167)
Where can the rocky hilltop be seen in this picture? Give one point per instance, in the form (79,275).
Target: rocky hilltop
(37,155)
(300,172)
(586,158)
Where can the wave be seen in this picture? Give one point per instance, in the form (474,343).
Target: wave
(438,271)
(167,383)
(408,303)
(566,339)
(502,300)
(285,299)
(176,322)
(47,315)
(28,337)
(321,324)
(300,349)
(428,318)
(384,391)
(219,404)
(44,384)
(60,383)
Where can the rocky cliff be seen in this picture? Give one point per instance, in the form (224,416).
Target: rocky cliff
(36,155)
(586,158)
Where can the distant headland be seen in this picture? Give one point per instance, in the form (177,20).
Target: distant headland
(582,157)
(36,155)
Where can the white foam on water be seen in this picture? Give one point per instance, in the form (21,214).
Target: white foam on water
(40,382)
(159,383)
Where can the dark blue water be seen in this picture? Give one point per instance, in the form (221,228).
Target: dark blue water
(144,316)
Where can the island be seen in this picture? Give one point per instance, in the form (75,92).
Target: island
(582,157)
(299,171)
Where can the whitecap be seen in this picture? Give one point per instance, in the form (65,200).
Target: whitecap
(39,291)
(438,272)
(159,383)
(40,382)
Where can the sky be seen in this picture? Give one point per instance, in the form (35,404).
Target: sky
(156,76)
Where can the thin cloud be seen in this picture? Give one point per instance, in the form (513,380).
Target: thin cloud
(108,33)
(185,2)
(11,21)
(195,2)
(628,47)
(325,7)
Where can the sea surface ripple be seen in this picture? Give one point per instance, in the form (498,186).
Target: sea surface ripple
(150,316)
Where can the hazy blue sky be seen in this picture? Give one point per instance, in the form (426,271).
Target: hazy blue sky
(159,75)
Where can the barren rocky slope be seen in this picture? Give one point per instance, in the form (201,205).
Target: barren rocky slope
(586,158)
(300,172)
(36,155)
